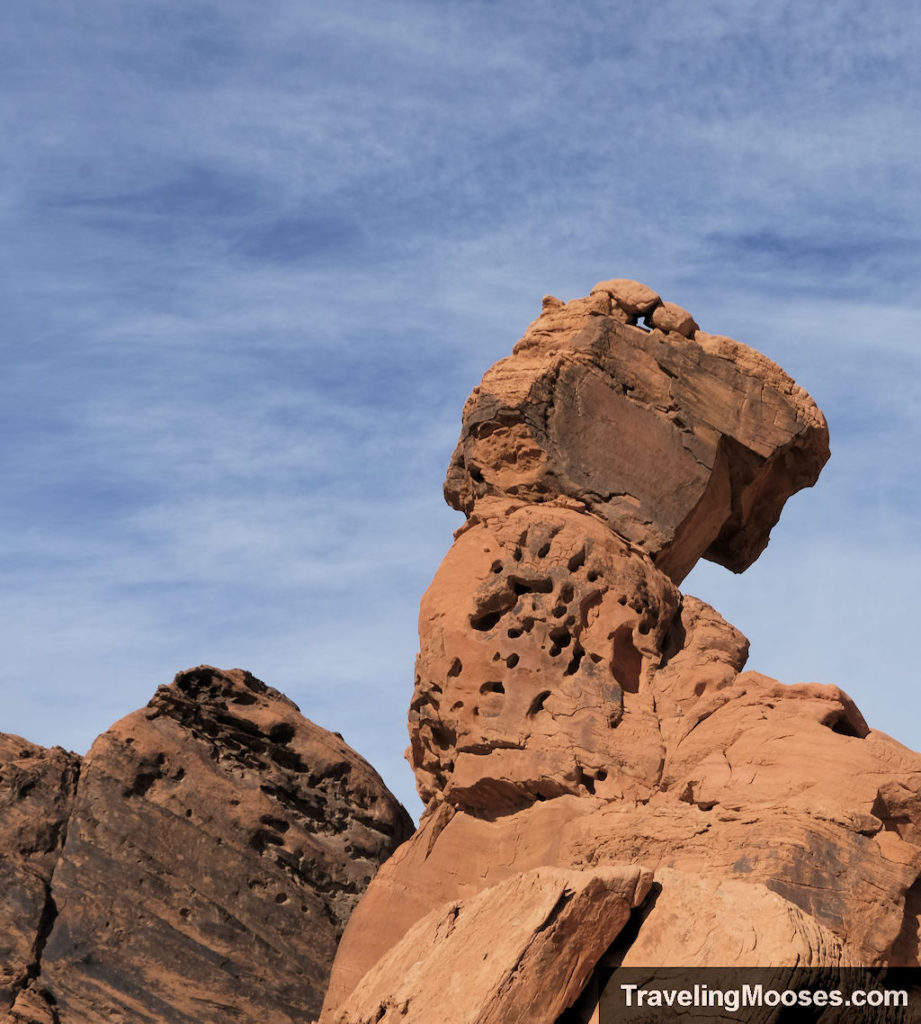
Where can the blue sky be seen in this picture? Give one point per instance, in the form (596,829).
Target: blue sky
(256,256)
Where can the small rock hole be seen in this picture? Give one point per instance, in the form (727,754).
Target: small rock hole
(485,622)
(577,654)
(520,586)
(577,560)
(279,824)
(282,733)
(538,703)
(561,636)
(626,660)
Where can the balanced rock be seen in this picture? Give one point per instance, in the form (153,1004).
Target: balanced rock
(574,711)
(216,846)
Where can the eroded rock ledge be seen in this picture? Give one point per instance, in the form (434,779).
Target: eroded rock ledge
(574,712)
(198,866)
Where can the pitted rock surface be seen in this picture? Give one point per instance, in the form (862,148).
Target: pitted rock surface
(532,685)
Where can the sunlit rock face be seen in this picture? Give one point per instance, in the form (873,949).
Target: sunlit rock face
(574,711)
(539,635)
(686,444)
(198,865)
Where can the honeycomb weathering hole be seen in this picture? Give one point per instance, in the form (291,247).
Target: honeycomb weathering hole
(577,560)
(538,703)
(626,660)
(485,622)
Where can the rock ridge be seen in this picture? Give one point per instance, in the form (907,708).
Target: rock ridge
(198,864)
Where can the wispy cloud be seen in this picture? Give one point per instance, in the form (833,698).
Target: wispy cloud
(254,261)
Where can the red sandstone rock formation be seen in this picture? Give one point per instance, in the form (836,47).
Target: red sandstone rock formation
(685,444)
(216,843)
(36,794)
(573,712)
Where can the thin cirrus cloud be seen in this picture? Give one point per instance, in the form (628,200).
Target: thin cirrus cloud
(255,261)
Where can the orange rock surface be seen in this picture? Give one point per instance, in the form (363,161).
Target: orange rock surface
(574,711)
(563,922)
(216,843)
(36,795)
(685,444)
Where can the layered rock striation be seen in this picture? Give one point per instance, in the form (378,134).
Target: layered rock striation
(574,713)
(200,869)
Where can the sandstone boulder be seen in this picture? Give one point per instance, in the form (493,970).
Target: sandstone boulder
(521,950)
(755,829)
(686,444)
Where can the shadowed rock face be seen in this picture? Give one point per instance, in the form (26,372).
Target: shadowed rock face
(574,711)
(216,845)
